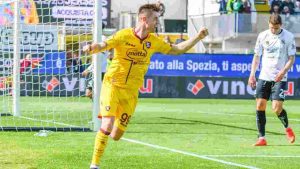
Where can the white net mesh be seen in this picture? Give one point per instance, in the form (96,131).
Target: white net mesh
(51,63)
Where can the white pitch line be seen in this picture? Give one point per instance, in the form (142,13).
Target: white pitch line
(294,119)
(189,154)
(48,121)
(253,156)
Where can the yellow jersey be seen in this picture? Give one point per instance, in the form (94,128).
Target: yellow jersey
(131,57)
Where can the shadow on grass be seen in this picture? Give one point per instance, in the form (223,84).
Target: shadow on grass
(218,124)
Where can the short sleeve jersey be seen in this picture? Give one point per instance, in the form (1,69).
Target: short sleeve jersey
(275,51)
(131,57)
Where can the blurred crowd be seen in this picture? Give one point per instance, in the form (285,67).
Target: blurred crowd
(285,7)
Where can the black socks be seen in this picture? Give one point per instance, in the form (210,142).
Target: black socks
(283,118)
(261,122)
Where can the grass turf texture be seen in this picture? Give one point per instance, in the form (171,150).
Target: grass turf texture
(219,129)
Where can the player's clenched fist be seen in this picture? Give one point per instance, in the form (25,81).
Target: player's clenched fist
(203,33)
(87,48)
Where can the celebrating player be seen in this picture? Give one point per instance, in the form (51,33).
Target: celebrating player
(277,48)
(119,93)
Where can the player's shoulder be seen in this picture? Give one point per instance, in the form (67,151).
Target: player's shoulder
(288,34)
(154,37)
(264,33)
(125,31)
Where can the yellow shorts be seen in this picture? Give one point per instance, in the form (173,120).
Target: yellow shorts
(119,103)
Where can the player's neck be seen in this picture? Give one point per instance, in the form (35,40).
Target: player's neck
(278,33)
(141,32)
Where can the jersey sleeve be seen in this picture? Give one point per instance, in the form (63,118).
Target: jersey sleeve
(163,47)
(258,49)
(292,47)
(112,41)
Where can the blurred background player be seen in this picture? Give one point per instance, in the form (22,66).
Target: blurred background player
(277,48)
(88,74)
(161,24)
(133,48)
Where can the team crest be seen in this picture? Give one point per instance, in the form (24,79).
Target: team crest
(267,42)
(148,44)
(107,108)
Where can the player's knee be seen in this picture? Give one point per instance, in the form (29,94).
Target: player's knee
(107,124)
(89,94)
(115,137)
(116,134)
(106,132)
(260,107)
(276,109)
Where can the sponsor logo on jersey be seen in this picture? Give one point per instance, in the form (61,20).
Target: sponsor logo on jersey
(129,44)
(136,54)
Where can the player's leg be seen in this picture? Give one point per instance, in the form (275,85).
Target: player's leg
(101,140)
(263,91)
(261,121)
(89,93)
(128,101)
(89,88)
(120,125)
(116,133)
(108,108)
(278,98)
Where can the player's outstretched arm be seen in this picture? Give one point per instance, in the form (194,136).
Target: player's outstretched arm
(94,48)
(188,44)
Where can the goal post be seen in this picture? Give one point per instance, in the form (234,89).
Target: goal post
(41,65)
(16,60)
(97,37)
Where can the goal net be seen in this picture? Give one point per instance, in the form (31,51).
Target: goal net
(46,90)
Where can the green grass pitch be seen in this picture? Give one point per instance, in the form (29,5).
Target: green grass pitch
(163,134)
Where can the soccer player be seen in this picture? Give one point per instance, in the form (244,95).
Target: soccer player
(88,74)
(277,48)
(133,48)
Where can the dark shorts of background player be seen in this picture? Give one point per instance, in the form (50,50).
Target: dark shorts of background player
(270,90)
